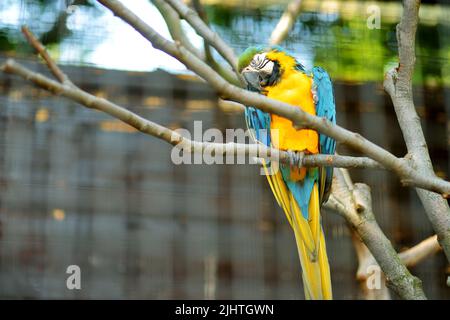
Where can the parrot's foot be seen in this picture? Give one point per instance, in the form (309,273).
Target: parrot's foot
(296,157)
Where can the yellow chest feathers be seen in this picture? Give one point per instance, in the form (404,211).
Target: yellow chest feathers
(293,88)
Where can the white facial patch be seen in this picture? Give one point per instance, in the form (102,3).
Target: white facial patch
(261,63)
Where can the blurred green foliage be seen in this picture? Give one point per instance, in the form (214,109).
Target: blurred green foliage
(355,52)
(47,18)
(345,46)
(59,31)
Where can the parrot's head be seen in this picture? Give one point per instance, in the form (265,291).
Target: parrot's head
(262,67)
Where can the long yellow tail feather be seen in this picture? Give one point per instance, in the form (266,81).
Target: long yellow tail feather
(309,237)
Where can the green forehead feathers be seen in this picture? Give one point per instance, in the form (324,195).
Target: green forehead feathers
(246,57)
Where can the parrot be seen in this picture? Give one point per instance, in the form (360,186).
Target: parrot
(299,191)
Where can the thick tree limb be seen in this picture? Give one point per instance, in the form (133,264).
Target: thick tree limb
(354,203)
(409,258)
(407,174)
(366,267)
(286,22)
(347,206)
(398,84)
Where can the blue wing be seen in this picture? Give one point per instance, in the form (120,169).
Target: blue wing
(259,121)
(325,107)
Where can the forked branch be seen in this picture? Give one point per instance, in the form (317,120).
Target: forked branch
(407,174)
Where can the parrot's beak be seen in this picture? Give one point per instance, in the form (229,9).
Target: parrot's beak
(252,79)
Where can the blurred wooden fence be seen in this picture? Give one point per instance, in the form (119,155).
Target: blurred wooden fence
(79,188)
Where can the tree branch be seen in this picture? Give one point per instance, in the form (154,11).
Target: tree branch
(146,126)
(347,207)
(172,20)
(354,203)
(398,84)
(366,262)
(361,217)
(39,47)
(409,258)
(407,174)
(420,251)
(286,22)
(204,31)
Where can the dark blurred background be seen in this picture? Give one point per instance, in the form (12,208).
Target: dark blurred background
(80,188)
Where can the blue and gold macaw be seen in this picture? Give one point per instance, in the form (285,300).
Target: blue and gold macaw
(299,191)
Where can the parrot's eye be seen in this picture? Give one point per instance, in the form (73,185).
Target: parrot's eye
(261,72)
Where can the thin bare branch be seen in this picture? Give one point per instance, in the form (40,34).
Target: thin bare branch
(173,23)
(172,20)
(286,22)
(398,84)
(74,93)
(420,251)
(407,174)
(42,51)
(203,30)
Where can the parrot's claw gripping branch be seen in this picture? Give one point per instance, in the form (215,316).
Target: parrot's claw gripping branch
(296,158)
